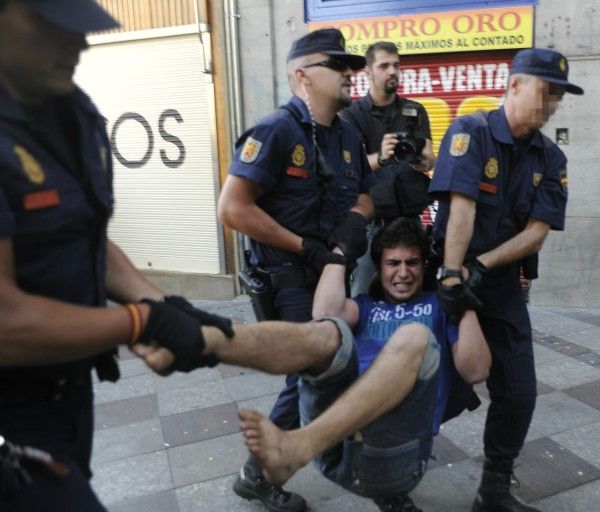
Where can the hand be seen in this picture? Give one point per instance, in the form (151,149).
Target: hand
(351,236)
(179,332)
(422,165)
(388,145)
(158,359)
(477,273)
(220,322)
(453,300)
(317,254)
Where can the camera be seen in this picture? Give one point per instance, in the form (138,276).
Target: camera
(409,147)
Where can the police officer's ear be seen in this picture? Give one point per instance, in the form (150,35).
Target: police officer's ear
(302,76)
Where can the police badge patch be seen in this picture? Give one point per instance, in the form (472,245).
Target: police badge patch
(250,150)
(30,166)
(564,181)
(459,144)
(537,178)
(491,168)
(347,157)
(299,155)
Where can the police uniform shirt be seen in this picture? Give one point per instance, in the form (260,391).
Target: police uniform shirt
(479,158)
(55,203)
(278,155)
(374,122)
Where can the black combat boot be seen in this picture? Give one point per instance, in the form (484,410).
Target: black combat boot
(396,504)
(494,492)
(251,485)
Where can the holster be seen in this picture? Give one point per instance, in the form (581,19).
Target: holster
(529,266)
(261,294)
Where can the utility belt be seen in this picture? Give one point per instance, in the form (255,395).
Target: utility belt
(261,283)
(15,392)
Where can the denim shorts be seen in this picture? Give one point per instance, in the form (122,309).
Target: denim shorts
(392,455)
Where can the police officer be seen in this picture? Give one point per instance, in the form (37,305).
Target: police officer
(379,115)
(57,266)
(297,186)
(502,186)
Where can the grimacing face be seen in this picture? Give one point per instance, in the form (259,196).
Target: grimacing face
(37,58)
(401,273)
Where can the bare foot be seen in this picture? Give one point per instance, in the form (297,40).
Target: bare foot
(279,452)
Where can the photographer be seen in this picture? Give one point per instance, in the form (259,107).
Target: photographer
(383,118)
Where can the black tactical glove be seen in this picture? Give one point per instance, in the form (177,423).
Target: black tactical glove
(351,236)
(220,322)
(178,332)
(453,300)
(477,274)
(315,253)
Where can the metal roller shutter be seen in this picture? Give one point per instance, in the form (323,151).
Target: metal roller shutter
(160,111)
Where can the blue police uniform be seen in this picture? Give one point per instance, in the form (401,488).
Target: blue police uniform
(55,202)
(278,155)
(511,182)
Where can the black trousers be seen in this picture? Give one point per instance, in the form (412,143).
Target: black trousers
(64,428)
(511,382)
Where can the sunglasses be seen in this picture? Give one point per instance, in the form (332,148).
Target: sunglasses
(331,63)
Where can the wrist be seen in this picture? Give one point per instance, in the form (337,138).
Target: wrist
(382,161)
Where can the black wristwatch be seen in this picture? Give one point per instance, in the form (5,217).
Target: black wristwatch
(444,272)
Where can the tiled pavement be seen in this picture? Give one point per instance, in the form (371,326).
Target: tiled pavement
(174,445)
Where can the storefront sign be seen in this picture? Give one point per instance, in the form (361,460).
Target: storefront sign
(443,32)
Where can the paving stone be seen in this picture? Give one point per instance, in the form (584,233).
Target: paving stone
(594,320)
(584,498)
(592,358)
(127,441)
(124,412)
(133,367)
(445,452)
(588,393)
(557,412)
(200,424)
(345,503)
(206,460)
(185,381)
(133,477)
(125,388)
(262,404)
(566,373)
(448,488)
(466,432)
(543,354)
(214,495)
(583,441)
(160,502)
(183,399)
(254,385)
(125,353)
(545,468)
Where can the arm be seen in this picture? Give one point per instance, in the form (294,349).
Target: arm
(237,209)
(428,161)
(125,283)
(364,206)
(471,353)
(35,330)
(330,295)
(526,242)
(459,231)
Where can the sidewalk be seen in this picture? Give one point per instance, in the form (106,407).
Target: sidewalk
(174,444)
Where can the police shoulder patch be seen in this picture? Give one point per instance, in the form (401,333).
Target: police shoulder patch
(564,181)
(30,166)
(299,155)
(459,144)
(537,178)
(250,150)
(491,168)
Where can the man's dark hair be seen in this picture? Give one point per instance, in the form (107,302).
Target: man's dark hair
(386,46)
(402,232)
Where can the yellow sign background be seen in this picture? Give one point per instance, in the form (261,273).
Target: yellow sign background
(454,31)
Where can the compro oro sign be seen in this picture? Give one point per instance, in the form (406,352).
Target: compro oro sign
(454,31)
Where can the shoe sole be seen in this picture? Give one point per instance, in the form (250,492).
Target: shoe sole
(249,494)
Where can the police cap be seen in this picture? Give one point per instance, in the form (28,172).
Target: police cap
(548,64)
(74,15)
(329,41)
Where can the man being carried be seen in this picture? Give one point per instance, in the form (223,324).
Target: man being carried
(376,448)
